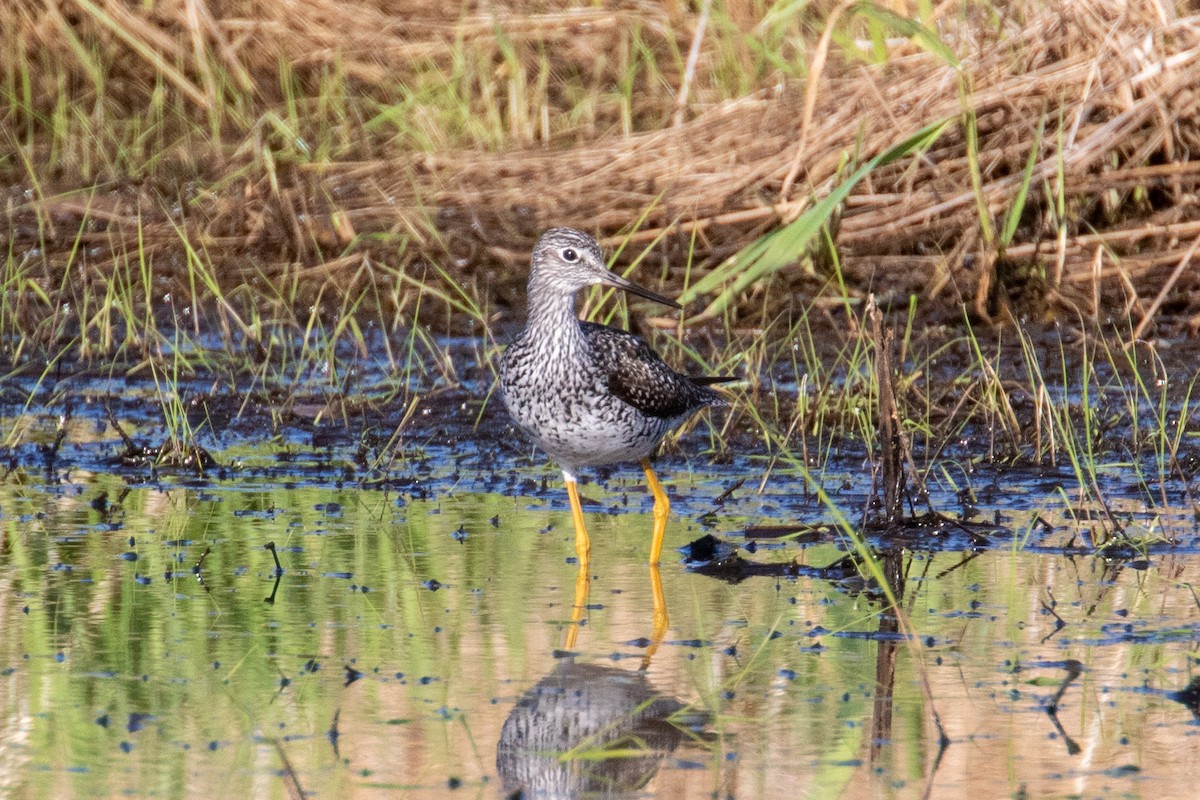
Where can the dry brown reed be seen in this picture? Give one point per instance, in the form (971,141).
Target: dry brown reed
(1111,213)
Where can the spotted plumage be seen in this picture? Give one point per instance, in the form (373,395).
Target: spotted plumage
(590,394)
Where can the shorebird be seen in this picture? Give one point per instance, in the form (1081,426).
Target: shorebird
(589,394)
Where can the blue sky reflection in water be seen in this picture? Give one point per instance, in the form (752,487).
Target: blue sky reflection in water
(411,646)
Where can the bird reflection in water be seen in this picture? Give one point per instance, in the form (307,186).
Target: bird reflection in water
(586,730)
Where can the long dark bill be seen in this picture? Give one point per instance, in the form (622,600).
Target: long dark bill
(617,282)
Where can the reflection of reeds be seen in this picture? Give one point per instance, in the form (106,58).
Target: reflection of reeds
(211,664)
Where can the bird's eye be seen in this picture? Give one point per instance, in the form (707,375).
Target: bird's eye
(569,255)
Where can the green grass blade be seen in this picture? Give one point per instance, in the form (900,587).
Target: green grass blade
(1018,207)
(923,36)
(777,249)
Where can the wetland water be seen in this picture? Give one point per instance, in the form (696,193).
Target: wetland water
(412,645)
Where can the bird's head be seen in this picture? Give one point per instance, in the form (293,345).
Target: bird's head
(566,260)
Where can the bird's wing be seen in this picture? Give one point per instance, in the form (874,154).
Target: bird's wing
(639,377)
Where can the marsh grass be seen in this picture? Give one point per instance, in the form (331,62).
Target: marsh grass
(273,195)
(285,198)
(297,148)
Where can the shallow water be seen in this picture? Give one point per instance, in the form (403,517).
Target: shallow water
(414,642)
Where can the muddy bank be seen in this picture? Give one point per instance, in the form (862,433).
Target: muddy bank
(1059,417)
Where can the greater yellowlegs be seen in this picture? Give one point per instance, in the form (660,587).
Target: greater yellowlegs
(589,394)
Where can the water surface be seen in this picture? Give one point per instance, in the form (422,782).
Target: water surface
(417,638)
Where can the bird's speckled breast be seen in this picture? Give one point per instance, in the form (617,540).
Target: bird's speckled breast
(558,394)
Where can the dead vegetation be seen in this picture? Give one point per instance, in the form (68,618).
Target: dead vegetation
(303,151)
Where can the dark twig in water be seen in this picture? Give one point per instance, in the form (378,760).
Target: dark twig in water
(1049,609)
(200,563)
(885,657)
(791,532)
(967,559)
(278,574)
(275,555)
(1074,670)
(291,779)
(720,499)
(896,450)
(898,469)
(130,445)
(332,734)
(1117,527)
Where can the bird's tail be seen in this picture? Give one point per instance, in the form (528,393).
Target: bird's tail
(715,398)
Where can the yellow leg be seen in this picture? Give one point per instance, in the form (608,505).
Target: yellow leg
(582,585)
(662,509)
(583,545)
(662,620)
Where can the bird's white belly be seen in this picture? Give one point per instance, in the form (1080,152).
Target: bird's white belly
(580,435)
(593,445)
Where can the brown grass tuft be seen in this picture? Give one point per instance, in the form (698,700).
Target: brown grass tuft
(314,143)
